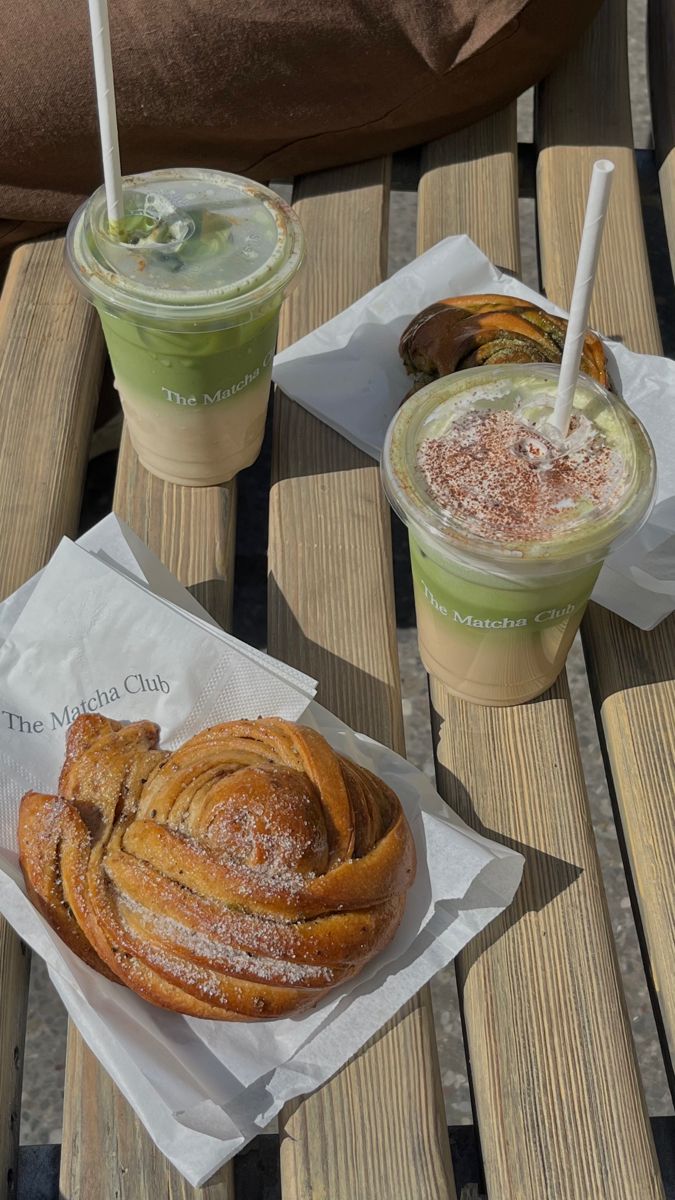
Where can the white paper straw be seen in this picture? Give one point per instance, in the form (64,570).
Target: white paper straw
(107,118)
(587,263)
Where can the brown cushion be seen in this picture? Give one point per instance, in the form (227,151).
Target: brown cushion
(264,88)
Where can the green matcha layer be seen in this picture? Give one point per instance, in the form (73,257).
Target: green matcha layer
(493,605)
(189,368)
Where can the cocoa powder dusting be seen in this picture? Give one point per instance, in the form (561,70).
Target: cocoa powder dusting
(505,481)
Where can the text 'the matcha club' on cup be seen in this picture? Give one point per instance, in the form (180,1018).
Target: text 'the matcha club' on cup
(508,523)
(189,302)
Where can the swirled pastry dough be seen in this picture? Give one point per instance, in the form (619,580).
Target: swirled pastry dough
(239,877)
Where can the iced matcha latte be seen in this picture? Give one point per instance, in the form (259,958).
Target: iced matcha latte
(508,522)
(189,300)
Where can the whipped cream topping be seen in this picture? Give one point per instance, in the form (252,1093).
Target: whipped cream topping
(509,476)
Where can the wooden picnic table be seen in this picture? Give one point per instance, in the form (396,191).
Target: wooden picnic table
(559,1105)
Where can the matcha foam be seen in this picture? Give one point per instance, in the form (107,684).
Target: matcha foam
(208,244)
(475,461)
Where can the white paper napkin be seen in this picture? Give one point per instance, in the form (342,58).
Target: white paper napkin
(204,1088)
(349,374)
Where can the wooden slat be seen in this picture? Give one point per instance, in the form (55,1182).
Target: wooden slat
(558,1099)
(377,1129)
(632,673)
(583,113)
(478,162)
(50,363)
(191,530)
(107,1154)
(51,359)
(661,42)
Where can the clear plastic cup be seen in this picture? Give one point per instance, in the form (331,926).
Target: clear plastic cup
(505,554)
(189,302)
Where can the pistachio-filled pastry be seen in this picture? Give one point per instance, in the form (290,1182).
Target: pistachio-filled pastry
(470,331)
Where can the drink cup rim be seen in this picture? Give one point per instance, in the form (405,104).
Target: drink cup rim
(407,494)
(212,308)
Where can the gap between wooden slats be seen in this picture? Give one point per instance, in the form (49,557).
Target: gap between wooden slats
(14,971)
(107,1153)
(661,51)
(377,1129)
(50,365)
(632,673)
(558,1100)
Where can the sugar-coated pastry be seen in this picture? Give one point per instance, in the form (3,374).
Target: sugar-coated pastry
(239,877)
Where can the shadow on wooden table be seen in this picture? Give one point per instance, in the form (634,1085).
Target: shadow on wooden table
(633,658)
(544,875)
(367,703)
